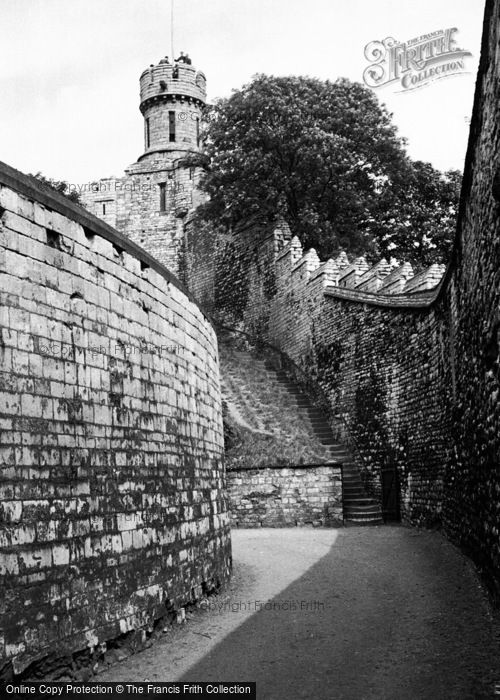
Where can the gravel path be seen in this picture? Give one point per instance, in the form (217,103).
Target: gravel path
(369,613)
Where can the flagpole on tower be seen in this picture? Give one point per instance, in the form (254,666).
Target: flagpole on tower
(172,30)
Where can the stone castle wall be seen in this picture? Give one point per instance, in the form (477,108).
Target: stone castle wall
(234,275)
(112,502)
(412,368)
(472,292)
(132,204)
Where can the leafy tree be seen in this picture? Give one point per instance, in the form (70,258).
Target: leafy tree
(328,158)
(59,186)
(417,222)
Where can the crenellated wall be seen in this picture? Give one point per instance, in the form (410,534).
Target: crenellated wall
(112,487)
(409,362)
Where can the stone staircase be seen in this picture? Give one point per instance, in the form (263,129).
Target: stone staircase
(267,404)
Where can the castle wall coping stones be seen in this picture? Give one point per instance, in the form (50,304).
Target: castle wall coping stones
(312,465)
(419,300)
(397,278)
(31,188)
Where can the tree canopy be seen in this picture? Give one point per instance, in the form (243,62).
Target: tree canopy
(327,157)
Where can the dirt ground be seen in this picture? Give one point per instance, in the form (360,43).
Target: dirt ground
(369,613)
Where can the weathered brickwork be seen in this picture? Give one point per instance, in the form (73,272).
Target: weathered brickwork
(234,276)
(385,370)
(112,501)
(413,369)
(472,505)
(286,497)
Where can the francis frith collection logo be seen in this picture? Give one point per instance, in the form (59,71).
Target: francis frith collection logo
(416,62)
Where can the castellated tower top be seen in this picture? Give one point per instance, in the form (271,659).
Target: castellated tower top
(167,80)
(173,96)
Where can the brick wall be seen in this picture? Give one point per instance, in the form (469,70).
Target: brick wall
(112,508)
(234,274)
(471,508)
(286,496)
(386,371)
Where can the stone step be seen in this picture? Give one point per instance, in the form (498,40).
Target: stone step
(324,433)
(290,388)
(351,502)
(365,510)
(364,521)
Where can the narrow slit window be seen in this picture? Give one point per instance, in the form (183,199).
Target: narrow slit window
(163,196)
(197,131)
(171,126)
(104,208)
(148,134)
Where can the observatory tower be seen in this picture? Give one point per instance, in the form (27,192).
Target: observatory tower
(172,100)
(151,202)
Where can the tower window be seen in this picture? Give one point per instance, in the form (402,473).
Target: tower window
(163,196)
(197,131)
(104,206)
(148,134)
(191,173)
(171,126)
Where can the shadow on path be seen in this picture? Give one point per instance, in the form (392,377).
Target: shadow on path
(387,612)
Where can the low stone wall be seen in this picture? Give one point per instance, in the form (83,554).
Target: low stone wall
(286,496)
(112,502)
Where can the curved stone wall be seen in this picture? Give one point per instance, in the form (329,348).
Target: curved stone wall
(112,510)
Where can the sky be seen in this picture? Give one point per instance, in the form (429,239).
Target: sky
(69,71)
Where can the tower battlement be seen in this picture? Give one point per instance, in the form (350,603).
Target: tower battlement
(167,81)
